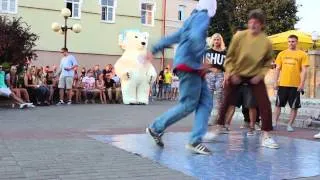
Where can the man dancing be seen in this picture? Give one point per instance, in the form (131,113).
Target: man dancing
(194,92)
(248,60)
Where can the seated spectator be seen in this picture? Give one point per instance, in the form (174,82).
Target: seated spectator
(52,84)
(5,91)
(29,77)
(101,86)
(97,71)
(54,69)
(111,89)
(109,69)
(43,89)
(76,86)
(116,80)
(38,93)
(83,74)
(89,85)
(12,81)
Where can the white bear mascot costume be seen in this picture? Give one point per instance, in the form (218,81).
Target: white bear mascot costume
(135,72)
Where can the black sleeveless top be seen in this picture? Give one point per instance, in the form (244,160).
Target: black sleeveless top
(30,82)
(215,58)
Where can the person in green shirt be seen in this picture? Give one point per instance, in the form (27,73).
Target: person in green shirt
(5,91)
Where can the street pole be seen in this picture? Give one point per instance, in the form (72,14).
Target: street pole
(62,29)
(164,14)
(65,29)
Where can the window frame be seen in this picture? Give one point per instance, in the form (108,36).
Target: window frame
(113,13)
(79,8)
(8,11)
(153,12)
(182,9)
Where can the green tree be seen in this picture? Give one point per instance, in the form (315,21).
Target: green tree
(16,41)
(231,14)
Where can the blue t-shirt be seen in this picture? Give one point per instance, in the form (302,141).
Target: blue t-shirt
(67,62)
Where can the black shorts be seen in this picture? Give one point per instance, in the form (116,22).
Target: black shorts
(244,97)
(289,95)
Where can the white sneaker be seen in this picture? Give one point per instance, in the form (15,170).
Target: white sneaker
(290,128)
(198,148)
(269,143)
(60,103)
(210,136)
(69,103)
(257,126)
(23,105)
(317,136)
(30,105)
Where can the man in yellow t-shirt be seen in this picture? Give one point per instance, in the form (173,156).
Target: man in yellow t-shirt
(292,67)
(167,83)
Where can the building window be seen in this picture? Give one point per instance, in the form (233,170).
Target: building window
(8,6)
(147,13)
(181,12)
(75,8)
(108,10)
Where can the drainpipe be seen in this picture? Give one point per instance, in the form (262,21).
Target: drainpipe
(164,14)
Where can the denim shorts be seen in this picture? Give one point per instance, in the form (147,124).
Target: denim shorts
(167,87)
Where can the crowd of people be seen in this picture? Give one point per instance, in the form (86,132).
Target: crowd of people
(68,84)
(232,77)
(166,87)
(43,86)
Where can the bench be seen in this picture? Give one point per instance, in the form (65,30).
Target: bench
(5,102)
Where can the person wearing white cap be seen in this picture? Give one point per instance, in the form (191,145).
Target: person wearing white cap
(194,92)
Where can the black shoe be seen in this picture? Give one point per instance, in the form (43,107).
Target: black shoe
(156,137)
(198,148)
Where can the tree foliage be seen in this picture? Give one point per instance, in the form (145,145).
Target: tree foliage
(232,14)
(16,41)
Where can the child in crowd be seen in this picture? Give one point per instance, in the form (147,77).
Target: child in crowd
(89,85)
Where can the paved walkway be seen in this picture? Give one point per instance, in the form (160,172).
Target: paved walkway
(54,143)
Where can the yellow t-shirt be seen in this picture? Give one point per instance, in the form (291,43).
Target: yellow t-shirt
(167,78)
(290,63)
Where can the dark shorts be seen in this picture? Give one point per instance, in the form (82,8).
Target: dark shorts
(244,97)
(289,95)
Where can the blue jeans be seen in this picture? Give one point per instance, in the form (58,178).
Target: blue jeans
(194,96)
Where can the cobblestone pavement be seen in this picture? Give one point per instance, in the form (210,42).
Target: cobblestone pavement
(53,143)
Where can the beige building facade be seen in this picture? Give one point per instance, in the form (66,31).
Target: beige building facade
(102,22)
(176,12)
